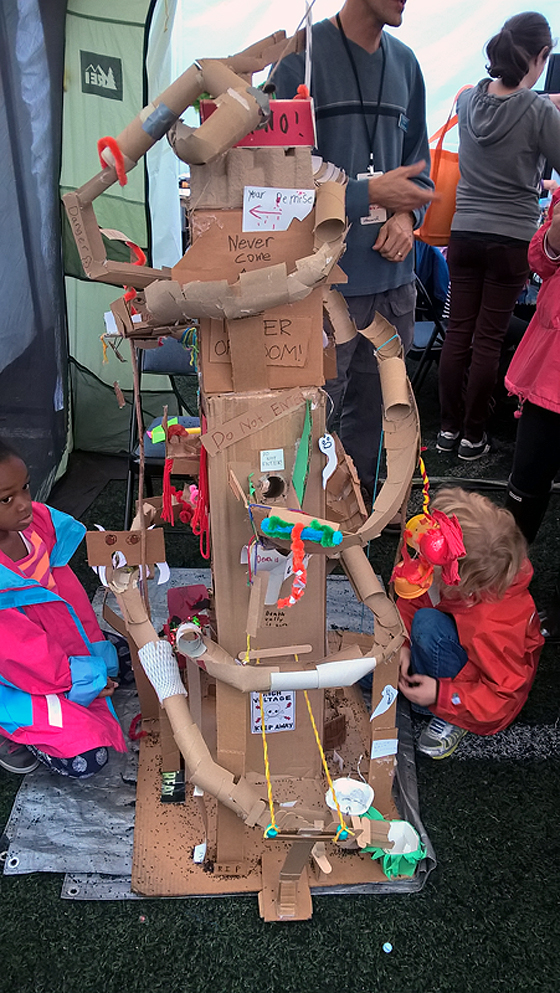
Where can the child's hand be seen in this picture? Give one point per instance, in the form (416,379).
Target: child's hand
(405,660)
(421,690)
(109,689)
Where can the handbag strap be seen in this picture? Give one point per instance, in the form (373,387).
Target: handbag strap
(451,120)
(439,135)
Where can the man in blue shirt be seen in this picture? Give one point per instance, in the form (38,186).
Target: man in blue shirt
(369,98)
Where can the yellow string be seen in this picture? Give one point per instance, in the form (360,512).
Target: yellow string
(425,486)
(268,832)
(343,829)
(105,350)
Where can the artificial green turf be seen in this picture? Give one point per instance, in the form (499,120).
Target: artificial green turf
(487,920)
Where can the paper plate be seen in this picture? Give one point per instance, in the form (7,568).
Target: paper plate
(354,797)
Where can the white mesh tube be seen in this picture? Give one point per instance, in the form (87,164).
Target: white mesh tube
(161,668)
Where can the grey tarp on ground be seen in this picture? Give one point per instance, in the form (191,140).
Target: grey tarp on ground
(59,824)
(85,829)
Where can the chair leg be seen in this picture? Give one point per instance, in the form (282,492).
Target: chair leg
(425,361)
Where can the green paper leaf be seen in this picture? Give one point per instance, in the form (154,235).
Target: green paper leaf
(303,457)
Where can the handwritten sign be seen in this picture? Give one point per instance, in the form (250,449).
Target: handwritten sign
(291,122)
(269,208)
(223,435)
(286,341)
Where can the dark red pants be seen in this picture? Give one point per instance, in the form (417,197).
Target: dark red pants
(486,280)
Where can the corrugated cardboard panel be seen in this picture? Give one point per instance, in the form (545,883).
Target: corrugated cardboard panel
(220,248)
(231,525)
(220,183)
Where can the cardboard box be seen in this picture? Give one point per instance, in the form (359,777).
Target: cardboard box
(291,123)
(292,752)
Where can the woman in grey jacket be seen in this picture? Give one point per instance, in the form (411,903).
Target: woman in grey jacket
(506,133)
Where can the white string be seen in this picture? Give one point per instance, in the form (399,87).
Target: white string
(289,41)
(308,46)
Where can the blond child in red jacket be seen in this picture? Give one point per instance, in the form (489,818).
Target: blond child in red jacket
(474,645)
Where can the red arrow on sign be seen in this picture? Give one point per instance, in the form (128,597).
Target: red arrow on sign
(258,212)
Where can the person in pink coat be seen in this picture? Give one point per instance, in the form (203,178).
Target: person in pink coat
(56,668)
(534,376)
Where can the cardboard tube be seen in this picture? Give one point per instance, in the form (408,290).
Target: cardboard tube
(384,338)
(330,211)
(328,674)
(401,463)
(388,627)
(394,387)
(246,679)
(237,113)
(337,312)
(201,769)
(241,797)
(155,120)
(138,625)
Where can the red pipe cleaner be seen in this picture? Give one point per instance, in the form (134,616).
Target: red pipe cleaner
(200,524)
(111,144)
(299,570)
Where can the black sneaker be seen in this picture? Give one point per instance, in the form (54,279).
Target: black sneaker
(447,441)
(16,758)
(469,451)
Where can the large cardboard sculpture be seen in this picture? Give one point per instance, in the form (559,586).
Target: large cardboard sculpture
(267,703)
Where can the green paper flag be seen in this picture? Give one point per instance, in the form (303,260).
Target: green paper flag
(303,457)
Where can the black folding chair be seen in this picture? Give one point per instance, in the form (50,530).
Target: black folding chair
(429,335)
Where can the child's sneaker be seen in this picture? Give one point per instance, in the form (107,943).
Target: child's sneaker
(469,451)
(447,441)
(16,758)
(440,739)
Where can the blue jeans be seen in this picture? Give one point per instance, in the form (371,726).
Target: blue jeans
(435,649)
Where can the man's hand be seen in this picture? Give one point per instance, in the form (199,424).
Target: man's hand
(395,238)
(421,690)
(396,191)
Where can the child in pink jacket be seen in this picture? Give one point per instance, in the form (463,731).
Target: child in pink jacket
(56,667)
(534,375)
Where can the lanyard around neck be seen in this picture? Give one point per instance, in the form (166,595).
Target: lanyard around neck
(370,136)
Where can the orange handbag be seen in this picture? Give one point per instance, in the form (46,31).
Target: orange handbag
(436,226)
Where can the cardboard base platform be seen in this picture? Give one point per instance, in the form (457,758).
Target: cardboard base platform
(166,834)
